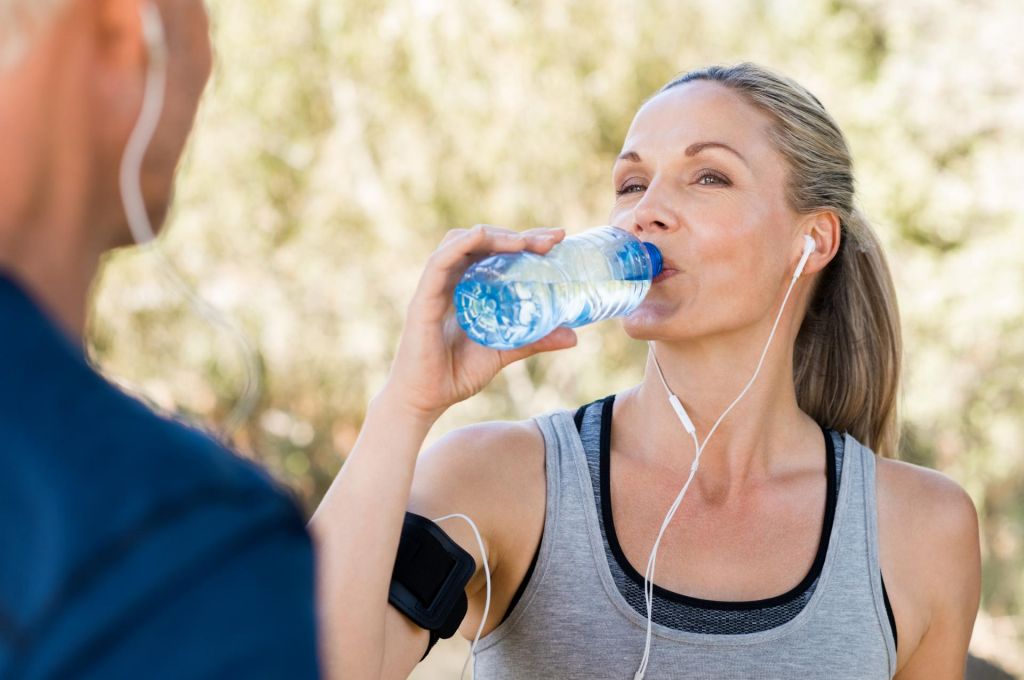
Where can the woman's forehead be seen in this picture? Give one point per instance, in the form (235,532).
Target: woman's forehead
(697,112)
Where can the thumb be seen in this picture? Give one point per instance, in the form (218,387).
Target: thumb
(560,338)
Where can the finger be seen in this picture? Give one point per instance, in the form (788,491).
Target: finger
(459,249)
(451,259)
(542,240)
(560,338)
(459,234)
(462,247)
(452,235)
(480,240)
(484,239)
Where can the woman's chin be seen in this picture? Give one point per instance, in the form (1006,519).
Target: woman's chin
(648,321)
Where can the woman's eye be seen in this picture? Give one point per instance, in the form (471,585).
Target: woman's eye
(629,189)
(708,178)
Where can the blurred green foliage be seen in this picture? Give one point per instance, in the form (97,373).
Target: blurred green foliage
(340,140)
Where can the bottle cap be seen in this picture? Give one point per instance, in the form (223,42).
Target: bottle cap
(655,255)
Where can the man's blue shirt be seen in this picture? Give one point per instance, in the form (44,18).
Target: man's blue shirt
(133,546)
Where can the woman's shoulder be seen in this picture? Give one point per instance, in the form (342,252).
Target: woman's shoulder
(501,446)
(930,505)
(494,473)
(491,464)
(928,549)
(483,446)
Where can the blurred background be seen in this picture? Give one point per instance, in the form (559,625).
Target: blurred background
(339,141)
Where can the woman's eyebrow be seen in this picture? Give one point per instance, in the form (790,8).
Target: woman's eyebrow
(695,149)
(692,150)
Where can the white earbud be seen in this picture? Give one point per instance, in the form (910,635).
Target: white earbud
(153,33)
(809,247)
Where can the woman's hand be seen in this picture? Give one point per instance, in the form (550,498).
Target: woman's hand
(437,365)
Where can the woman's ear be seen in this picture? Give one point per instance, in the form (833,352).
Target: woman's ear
(826,230)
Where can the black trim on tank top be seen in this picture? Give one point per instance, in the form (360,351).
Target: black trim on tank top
(578,416)
(831,491)
(522,586)
(627,568)
(888,612)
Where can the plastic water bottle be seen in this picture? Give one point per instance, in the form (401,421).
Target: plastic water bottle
(512,299)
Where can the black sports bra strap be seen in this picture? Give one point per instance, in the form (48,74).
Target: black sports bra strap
(578,418)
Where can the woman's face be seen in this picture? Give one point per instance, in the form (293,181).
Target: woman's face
(699,177)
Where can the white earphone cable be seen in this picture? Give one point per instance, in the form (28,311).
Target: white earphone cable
(130,181)
(487,575)
(698,450)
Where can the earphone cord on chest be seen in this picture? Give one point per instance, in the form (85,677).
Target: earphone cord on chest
(687,423)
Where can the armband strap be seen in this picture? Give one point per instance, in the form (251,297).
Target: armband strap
(428,583)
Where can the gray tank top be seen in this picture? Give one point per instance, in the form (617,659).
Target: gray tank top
(573,622)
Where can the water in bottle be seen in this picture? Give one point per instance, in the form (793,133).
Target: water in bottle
(512,299)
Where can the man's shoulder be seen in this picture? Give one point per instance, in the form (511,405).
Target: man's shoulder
(67,431)
(104,447)
(124,529)
(104,482)
(162,535)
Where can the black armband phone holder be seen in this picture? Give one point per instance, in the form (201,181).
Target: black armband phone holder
(428,583)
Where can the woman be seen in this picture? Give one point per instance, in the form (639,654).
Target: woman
(796,551)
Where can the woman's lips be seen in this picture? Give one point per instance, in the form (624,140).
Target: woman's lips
(666,273)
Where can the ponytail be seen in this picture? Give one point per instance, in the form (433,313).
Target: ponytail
(848,353)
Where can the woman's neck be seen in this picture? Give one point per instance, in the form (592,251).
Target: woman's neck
(764,433)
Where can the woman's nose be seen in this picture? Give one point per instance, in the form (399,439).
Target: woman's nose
(652,214)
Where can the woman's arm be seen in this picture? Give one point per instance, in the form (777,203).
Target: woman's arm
(357,526)
(494,474)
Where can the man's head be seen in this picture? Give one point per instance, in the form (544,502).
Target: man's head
(72,77)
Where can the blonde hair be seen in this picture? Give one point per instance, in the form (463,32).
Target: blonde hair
(848,353)
(20,20)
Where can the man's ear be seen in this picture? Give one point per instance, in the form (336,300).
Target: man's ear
(826,230)
(119,32)
(119,62)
